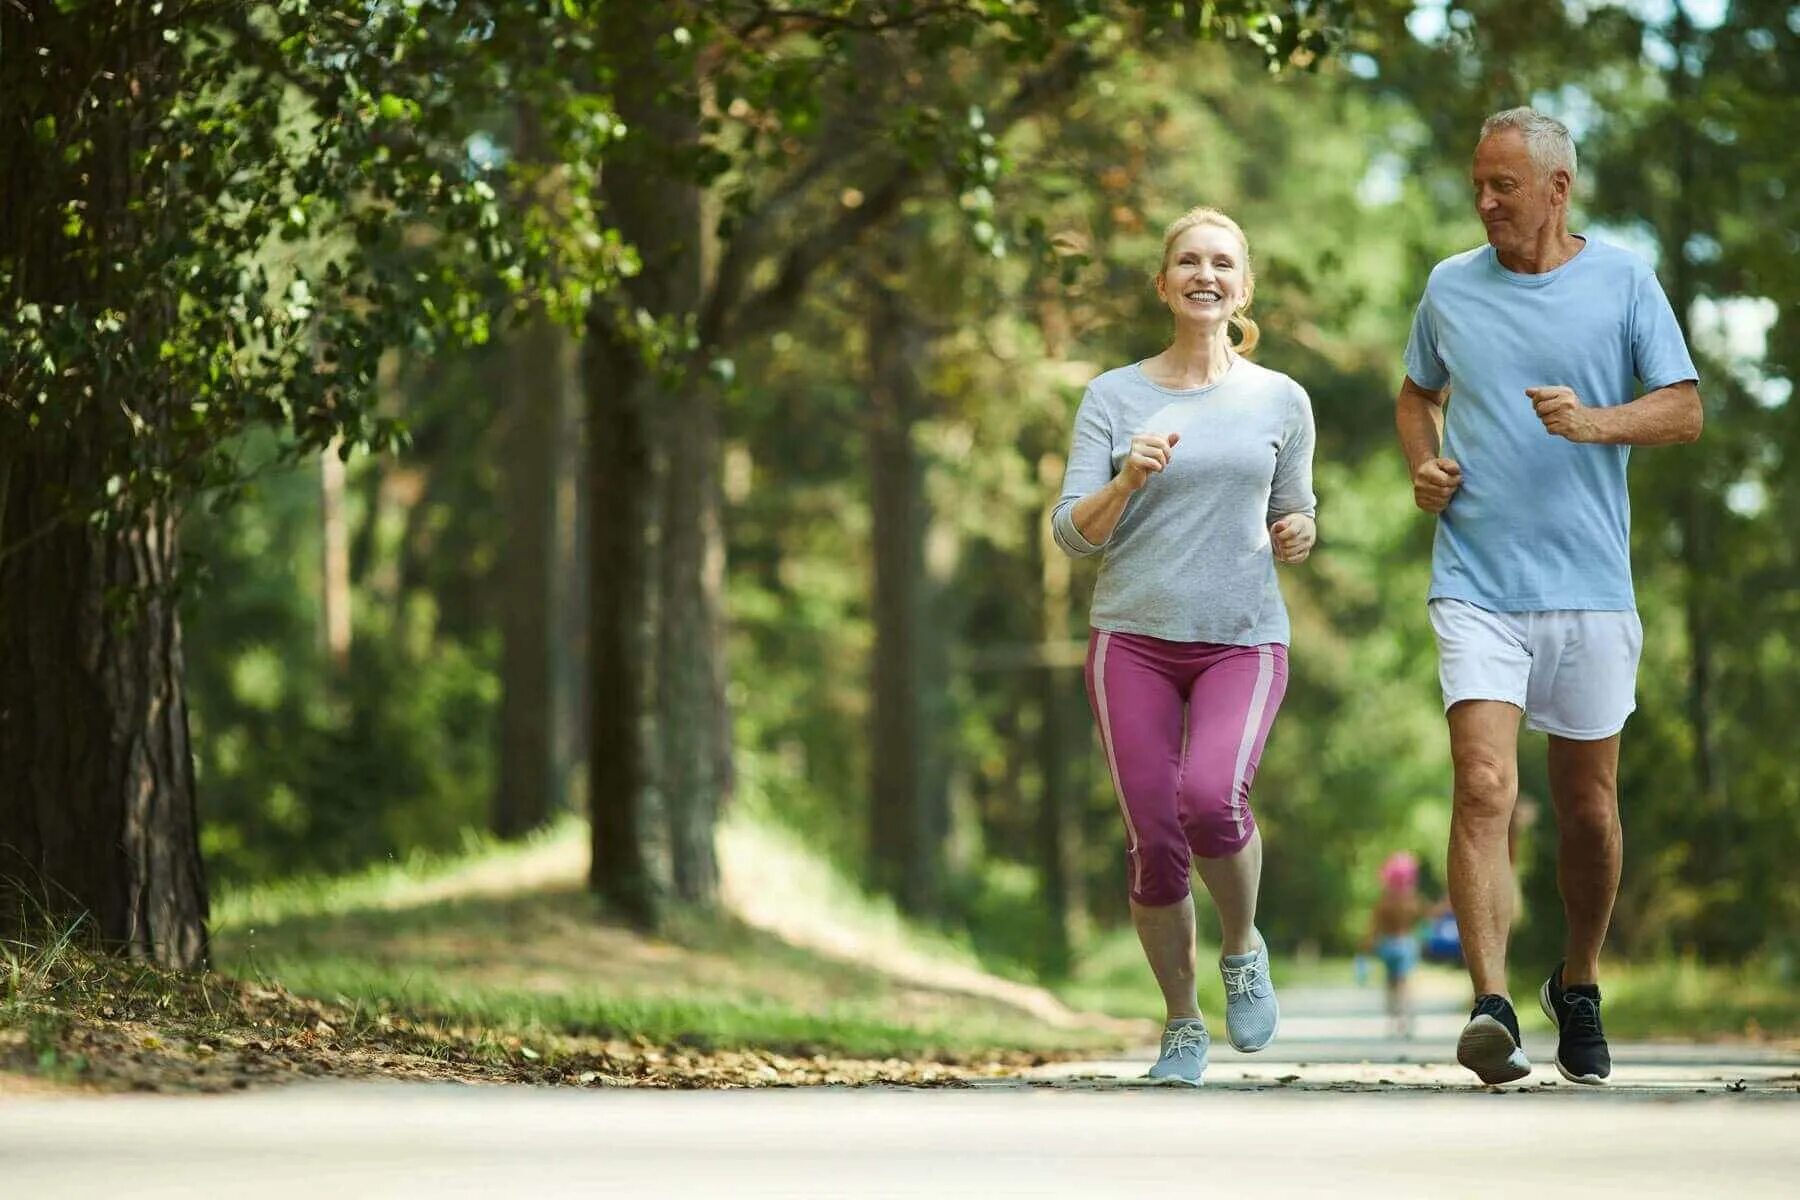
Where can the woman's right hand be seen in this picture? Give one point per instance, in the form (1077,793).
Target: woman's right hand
(1148,456)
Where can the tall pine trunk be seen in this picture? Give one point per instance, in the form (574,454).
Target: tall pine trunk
(97,812)
(620,800)
(97,808)
(1059,732)
(334,574)
(528,788)
(1694,503)
(692,717)
(909,816)
(660,748)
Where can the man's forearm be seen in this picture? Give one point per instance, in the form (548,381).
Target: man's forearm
(1419,420)
(1666,417)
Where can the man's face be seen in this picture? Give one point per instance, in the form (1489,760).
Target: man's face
(1513,201)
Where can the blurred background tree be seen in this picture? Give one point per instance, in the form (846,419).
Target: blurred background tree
(765,525)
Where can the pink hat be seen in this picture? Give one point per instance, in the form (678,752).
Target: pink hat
(1400,871)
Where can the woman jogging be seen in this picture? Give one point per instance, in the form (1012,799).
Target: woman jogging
(1191,475)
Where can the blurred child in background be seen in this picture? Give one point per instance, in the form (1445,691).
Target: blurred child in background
(1394,933)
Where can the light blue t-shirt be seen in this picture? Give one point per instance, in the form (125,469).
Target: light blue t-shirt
(1540,522)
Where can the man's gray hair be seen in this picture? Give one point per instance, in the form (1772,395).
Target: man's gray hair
(1547,139)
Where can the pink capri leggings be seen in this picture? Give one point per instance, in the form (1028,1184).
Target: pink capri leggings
(1183,725)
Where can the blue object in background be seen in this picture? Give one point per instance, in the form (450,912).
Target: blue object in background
(1443,943)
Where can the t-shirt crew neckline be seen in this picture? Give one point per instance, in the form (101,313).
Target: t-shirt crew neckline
(1538,278)
(1138,368)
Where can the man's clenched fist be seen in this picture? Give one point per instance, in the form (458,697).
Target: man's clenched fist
(1563,413)
(1435,482)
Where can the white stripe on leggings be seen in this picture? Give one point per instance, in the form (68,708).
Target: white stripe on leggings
(1112,761)
(1259,700)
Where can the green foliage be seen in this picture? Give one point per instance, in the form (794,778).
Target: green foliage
(1358,765)
(226,213)
(315,184)
(300,769)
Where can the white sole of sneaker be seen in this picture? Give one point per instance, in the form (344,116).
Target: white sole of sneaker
(1550,1011)
(1487,1049)
(1173,1081)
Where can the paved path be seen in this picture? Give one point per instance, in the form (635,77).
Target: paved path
(1674,1128)
(1336,1039)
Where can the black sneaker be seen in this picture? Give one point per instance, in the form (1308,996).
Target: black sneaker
(1581,1053)
(1490,1044)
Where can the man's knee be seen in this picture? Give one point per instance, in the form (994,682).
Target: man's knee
(1486,787)
(1591,811)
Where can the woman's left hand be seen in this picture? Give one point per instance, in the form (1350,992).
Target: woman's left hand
(1293,537)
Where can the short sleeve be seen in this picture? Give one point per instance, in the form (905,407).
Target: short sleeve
(1659,354)
(1424,360)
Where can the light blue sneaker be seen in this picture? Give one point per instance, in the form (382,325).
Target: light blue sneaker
(1184,1045)
(1251,1012)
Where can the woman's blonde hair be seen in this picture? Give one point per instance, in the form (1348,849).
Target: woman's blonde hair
(1248,333)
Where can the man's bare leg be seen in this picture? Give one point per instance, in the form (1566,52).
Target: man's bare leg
(1584,789)
(1484,746)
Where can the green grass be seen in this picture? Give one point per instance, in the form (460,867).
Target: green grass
(383,884)
(1685,999)
(504,939)
(854,1030)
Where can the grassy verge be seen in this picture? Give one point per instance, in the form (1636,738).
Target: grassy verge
(507,937)
(1686,1000)
(494,964)
(69,1015)
(546,961)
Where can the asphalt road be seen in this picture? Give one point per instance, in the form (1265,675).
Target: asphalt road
(1331,1110)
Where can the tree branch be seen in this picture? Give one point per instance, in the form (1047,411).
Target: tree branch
(728,317)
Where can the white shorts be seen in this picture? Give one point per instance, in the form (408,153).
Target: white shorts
(1573,671)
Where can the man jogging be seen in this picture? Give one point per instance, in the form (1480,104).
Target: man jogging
(1521,362)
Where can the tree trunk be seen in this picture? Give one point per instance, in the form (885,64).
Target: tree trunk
(693,722)
(660,743)
(334,576)
(569,571)
(1057,835)
(97,812)
(908,819)
(527,790)
(620,796)
(1694,503)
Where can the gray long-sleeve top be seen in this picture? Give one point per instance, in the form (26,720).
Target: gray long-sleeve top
(1191,560)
